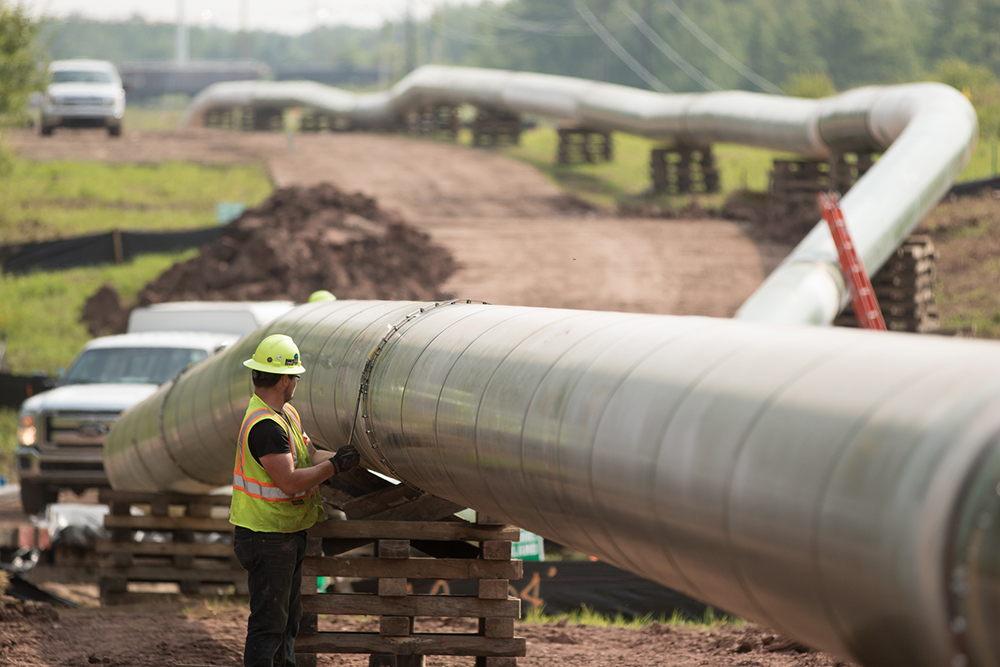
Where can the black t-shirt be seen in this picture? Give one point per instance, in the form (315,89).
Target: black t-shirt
(267,437)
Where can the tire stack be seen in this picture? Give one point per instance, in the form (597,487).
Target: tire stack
(904,287)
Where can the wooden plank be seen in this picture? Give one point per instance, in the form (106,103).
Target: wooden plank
(200,549)
(145,573)
(493,589)
(418,644)
(394,626)
(422,508)
(376,502)
(413,530)
(107,496)
(413,568)
(168,523)
(497,627)
(496,549)
(358,604)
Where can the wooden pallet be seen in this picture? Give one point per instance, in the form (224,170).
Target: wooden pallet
(495,128)
(438,121)
(582,145)
(683,169)
(415,536)
(904,287)
(196,559)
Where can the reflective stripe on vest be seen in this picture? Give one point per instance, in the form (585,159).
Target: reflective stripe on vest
(257,488)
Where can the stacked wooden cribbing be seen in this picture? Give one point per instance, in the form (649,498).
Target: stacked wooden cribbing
(193,552)
(578,145)
(495,128)
(396,643)
(416,536)
(440,122)
(683,169)
(317,121)
(794,184)
(904,287)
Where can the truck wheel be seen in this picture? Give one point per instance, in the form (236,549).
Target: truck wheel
(36,497)
(46,130)
(114,130)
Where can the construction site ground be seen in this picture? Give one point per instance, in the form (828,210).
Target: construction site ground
(518,240)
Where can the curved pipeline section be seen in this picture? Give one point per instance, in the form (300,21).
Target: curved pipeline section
(838,486)
(927,131)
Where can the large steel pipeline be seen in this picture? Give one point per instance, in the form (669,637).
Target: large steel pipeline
(839,486)
(927,131)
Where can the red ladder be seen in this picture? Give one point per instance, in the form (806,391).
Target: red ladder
(865,304)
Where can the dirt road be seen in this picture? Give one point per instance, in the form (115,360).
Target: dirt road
(519,241)
(517,237)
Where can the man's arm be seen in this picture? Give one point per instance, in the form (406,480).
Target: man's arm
(292,480)
(317,455)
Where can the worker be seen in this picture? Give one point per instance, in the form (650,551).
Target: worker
(322,295)
(275,500)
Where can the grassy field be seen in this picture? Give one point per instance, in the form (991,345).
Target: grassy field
(626,178)
(43,200)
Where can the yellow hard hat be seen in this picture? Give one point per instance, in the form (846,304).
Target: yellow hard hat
(276,354)
(322,295)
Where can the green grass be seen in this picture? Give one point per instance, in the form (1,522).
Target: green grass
(626,178)
(45,200)
(982,164)
(41,200)
(8,443)
(587,616)
(41,310)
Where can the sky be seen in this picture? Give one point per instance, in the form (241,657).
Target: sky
(287,16)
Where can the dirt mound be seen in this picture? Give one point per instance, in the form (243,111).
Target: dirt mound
(296,242)
(301,240)
(103,312)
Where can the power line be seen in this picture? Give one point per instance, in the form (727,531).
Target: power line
(717,49)
(618,49)
(569,27)
(666,49)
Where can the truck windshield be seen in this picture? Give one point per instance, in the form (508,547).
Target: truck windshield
(135,365)
(80,76)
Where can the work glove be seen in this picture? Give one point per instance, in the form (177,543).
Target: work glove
(346,458)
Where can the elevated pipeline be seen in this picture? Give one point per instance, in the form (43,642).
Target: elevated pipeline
(839,486)
(927,131)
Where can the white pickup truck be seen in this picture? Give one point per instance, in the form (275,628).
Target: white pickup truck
(61,432)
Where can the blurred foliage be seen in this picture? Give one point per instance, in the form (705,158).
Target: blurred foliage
(20,74)
(811,85)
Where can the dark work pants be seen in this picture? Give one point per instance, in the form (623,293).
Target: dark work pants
(273,562)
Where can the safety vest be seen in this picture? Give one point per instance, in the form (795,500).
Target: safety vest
(258,503)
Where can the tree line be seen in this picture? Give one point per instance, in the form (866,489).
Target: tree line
(802,47)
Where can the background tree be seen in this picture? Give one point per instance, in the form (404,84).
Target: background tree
(20,74)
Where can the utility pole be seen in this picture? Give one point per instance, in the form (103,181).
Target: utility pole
(411,38)
(181,37)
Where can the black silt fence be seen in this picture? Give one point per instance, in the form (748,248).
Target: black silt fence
(14,389)
(112,247)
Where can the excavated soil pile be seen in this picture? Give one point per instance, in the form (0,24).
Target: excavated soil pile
(304,239)
(296,242)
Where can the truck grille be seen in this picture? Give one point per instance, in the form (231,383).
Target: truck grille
(78,429)
(83,101)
